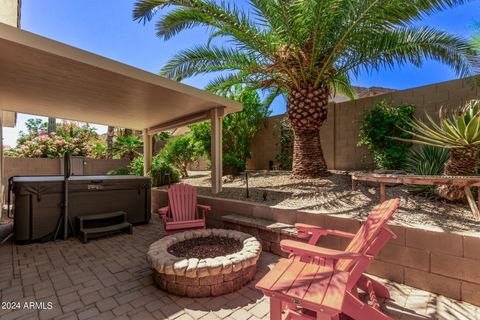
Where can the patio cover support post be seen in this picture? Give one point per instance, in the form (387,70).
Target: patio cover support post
(147,152)
(216,116)
(1,163)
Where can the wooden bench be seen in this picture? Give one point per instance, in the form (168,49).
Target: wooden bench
(464,182)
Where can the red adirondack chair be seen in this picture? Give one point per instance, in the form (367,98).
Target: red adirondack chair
(321,283)
(183,211)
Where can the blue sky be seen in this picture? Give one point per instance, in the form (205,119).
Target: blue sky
(105,27)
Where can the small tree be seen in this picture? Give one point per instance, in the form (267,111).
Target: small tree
(239,128)
(379,126)
(35,125)
(109,140)
(161,172)
(181,152)
(71,137)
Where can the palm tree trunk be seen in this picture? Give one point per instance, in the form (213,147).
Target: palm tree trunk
(52,125)
(462,162)
(307,110)
(110,134)
(184,170)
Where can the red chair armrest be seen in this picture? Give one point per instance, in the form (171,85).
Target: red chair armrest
(304,231)
(163,211)
(305,249)
(204,207)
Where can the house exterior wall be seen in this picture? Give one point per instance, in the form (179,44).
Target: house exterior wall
(10,12)
(339,134)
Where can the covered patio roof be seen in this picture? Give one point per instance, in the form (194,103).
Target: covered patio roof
(44,77)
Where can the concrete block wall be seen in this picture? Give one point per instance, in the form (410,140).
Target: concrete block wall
(102,166)
(440,262)
(339,133)
(266,144)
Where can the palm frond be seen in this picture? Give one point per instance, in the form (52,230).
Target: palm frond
(271,94)
(225,16)
(297,43)
(407,12)
(223,83)
(341,85)
(403,46)
(203,59)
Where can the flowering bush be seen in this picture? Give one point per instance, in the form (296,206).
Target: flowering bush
(77,140)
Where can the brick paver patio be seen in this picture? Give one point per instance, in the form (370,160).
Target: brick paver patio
(109,279)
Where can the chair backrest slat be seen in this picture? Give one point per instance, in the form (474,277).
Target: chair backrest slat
(369,231)
(183,202)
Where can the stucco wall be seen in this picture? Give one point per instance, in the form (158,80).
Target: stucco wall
(9,12)
(339,133)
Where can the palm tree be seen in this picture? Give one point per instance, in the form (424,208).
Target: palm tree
(304,49)
(52,125)
(461,134)
(110,135)
(127,146)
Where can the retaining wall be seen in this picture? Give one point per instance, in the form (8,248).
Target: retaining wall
(440,262)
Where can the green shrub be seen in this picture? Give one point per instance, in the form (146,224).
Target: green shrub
(427,160)
(162,172)
(180,152)
(98,148)
(233,164)
(136,166)
(238,129)
(285,156)
(380,126)
(285,160)
(119,172)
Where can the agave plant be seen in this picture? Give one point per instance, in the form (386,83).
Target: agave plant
(461,134)
(306,50)
(429,161)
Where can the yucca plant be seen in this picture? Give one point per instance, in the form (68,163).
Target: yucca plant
(427,161)
(460,133)
(305,50)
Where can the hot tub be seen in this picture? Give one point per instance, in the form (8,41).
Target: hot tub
(38,202)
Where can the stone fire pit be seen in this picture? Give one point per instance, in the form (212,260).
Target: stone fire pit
(204,277)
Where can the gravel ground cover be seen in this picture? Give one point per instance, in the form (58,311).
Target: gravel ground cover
(333,195)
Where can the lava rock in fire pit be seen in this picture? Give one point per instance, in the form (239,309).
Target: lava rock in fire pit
(208,247)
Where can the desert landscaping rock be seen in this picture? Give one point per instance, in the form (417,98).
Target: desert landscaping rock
(212,276)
